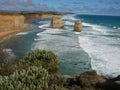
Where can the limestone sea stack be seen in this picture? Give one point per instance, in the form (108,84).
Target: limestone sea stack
(57,22)
(78,26)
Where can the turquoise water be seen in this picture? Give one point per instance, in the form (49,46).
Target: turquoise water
(96,47)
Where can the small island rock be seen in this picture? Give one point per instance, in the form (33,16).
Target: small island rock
(57,22)
(78,26)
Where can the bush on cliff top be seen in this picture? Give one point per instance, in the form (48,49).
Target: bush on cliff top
(46,59)
(34,78)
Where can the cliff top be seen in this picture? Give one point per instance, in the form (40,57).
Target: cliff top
(30,12)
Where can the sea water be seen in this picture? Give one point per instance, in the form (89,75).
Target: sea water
(96,47)
(101,40)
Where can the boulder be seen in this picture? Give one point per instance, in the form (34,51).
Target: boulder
(78,26)
(88,79)
(57,22)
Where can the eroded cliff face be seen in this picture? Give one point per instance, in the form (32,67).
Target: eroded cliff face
(11,23)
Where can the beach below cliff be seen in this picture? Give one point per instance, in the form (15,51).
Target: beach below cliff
(6,35)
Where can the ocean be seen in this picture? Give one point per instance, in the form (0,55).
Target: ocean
(97,47)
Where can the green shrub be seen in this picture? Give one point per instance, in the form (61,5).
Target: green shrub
(35,78)
(36,71)
(46,59)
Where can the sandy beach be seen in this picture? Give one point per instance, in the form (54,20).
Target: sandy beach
(6,34)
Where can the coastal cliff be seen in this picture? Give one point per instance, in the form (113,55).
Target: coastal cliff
(13,22)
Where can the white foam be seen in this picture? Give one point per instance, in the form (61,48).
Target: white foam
(114,27)
(87,24)
(44,26)
(68,23)
(99,28)
(50,31)
(37,39)
(22,33)
(104,58)
(69,17)
(77,32)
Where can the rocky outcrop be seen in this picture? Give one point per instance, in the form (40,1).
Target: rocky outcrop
(57,22)
(87,79)
(91,81)
(78,26)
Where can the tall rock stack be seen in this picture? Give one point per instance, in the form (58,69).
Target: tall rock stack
(78,26)
(57,22)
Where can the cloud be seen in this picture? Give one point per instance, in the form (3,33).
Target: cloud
(25,5)
(75,6)
(111,7)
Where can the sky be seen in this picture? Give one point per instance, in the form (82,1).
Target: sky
(104,7)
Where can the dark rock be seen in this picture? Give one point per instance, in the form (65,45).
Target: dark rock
(88,80)
(91,81)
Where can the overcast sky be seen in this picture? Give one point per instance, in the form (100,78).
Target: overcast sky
(111,7)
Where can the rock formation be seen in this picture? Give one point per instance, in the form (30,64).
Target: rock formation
(91,81)
(78,26)
(57,22)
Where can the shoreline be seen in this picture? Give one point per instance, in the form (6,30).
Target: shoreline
(6,34)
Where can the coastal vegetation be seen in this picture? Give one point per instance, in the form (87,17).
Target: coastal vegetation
(46,59)
(39,70)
